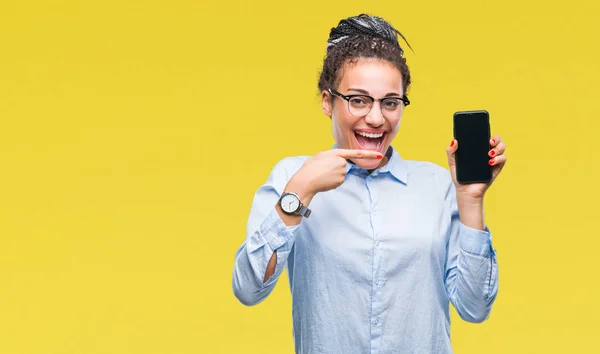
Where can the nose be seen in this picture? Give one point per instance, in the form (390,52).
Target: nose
(375,118)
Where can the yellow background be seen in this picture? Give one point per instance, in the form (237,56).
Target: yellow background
(134,134)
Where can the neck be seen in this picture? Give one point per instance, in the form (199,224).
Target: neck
(381,164)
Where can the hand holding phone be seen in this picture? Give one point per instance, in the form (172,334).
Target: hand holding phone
(472,131)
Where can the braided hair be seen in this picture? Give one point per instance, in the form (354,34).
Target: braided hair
(362,36)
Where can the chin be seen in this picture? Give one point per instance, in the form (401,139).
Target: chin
(379,144)
(367,164)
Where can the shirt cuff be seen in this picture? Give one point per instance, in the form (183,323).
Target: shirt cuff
(275,232)
(475,241)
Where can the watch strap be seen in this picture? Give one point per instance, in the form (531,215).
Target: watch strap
(304,211)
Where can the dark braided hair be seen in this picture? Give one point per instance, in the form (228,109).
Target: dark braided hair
(362,36)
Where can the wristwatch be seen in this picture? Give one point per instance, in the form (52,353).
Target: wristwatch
(290,204)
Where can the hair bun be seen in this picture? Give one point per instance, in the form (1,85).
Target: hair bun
(367,25)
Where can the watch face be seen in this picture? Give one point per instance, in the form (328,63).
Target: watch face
(290,203)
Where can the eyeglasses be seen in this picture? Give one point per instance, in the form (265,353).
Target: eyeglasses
(360,105)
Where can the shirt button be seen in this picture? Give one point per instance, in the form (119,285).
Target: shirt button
(378,243)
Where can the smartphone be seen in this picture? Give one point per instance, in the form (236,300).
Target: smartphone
(472,131)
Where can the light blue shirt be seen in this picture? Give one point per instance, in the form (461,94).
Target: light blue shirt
(376,265)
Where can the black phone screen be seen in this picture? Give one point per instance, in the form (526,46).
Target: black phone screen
(472,131)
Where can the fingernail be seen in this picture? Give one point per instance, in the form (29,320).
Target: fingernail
(452,143)
(492,153)
(493,141)
(379,156)
(491,162)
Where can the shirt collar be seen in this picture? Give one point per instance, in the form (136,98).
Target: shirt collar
(396,166)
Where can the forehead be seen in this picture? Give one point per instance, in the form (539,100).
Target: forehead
(377,76)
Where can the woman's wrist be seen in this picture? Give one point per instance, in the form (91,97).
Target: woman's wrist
(296,186)
(471,211)
(301,188)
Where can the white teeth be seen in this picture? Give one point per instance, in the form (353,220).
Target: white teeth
(379,144)
(369,135)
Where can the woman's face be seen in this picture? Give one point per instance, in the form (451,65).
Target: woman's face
(376,78)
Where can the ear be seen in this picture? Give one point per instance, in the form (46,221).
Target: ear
(326,103)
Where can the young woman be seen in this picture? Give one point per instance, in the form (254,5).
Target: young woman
(376,247)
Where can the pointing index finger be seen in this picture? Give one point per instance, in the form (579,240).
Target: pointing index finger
(359,154)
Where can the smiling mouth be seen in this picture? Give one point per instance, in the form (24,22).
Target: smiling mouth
(370,141)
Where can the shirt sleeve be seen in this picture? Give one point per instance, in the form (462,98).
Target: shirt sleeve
(471,265)
(265,234)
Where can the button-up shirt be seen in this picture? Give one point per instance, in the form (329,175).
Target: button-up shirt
(376,265)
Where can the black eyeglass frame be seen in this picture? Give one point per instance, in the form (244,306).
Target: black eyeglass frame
(404,99)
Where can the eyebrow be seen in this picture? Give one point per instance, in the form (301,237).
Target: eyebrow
(367,92)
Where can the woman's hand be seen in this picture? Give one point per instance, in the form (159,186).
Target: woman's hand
(325,171)
(476,191)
